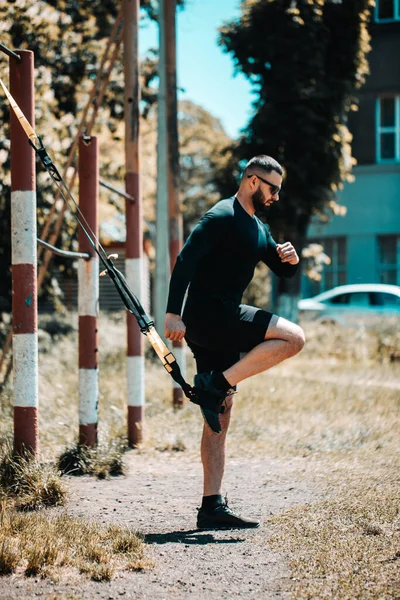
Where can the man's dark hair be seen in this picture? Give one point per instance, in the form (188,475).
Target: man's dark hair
(264,163)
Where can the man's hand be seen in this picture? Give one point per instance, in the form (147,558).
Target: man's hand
(287,253)
(174,328)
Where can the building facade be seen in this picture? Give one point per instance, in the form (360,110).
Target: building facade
(364,245)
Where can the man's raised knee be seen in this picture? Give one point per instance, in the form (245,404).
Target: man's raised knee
(297,340)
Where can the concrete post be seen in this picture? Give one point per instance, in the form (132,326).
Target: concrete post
(88,294)
(24,287)
(134,226)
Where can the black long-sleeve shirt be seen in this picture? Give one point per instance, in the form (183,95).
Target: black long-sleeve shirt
(220,255)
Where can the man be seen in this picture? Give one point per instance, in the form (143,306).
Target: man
(218,262)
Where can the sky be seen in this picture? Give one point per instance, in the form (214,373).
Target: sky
(204,72)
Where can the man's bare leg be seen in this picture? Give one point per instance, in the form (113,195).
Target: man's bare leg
(282,340)
(213,448)
(214,512)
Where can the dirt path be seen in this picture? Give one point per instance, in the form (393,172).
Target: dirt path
(159,498)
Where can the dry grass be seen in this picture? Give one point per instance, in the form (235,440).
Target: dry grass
(379,342)
(45,546)
(344,547)
(29,484)
(335,408)
(102,462)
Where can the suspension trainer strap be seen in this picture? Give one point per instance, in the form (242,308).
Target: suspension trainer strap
(131,302)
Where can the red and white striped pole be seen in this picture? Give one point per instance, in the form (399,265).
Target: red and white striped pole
(134,226)
(23,234)
(88,294)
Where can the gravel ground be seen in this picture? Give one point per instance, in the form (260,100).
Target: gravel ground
(158,498)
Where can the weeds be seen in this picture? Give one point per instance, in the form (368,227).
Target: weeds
(9,557)
(43,544)
(379,342)
(41,556)
(37,542)
(103,461)
(31,485)
(98,572)
(125,541)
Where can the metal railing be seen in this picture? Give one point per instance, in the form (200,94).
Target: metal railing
(9,52)
(65,253)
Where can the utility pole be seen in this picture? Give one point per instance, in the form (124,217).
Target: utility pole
(134,226)
(162,255)
(168,167)
(174,206)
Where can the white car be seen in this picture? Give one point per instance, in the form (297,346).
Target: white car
(353,304)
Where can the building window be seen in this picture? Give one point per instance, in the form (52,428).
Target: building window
(389,259)
(387,10)
(335,273)
(388,129)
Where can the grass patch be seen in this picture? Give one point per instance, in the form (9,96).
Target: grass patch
(379,342)
(103,461)
(345,547)
(29,484)
(42,545)
(9,557)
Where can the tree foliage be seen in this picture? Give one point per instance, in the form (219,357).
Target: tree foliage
(306,59)
(203,152)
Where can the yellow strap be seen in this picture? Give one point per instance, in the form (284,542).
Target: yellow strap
(27,127)
(161,349)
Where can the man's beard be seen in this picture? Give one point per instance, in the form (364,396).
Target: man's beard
(258,200)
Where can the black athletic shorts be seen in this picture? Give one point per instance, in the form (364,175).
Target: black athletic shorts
(218,331)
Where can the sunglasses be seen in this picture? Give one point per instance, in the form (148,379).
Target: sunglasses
(275,189)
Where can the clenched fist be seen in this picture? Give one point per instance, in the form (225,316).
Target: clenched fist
(287,253)
(174,328)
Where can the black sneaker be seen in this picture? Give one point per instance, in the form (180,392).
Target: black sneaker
(209,399)
(211,418)
(222,517)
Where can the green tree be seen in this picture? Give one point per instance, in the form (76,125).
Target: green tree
(306,59)
(203,153)
(203,146)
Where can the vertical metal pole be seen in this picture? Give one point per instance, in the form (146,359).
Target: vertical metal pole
(174,208)
(134,226)
(88,294)
(23,233)
(162,254)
